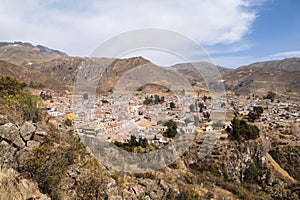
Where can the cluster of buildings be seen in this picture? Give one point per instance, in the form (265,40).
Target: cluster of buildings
(117,117)
(276,111)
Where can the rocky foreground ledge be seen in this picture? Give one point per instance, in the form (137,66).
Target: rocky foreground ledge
(46,160)
(15,143)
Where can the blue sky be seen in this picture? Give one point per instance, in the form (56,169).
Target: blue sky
(233,32)
(275,34)
(277,28)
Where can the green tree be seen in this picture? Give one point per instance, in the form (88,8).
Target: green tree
(10,86)
(85,96)
(241,130)
(147,101)
(271,95)
(206,115)
(133,142)
(201,107)
(143,142)
(201,110)
(171,130)
(255,114)
(104,101)
(172,105)
(156,99)
(258,110)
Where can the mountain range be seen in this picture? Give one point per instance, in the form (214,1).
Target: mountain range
(57,71)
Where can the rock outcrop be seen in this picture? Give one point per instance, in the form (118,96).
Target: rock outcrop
(12,142)
(27,131)
(10,133)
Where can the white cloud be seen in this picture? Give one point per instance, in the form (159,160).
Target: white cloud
(232,48)
(80,26)
(234,61)
(286,54)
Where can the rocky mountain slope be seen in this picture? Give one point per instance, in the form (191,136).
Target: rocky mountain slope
(280,76)
(31,76)
(24,54)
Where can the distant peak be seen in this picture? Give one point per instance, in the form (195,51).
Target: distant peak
(40,48)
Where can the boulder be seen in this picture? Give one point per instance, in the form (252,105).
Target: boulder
(127,194)
(3,120)
(7,152)
(21,154)
(32,144)
(27,130)
(11,133)
(138,190)
(115,197)
(31,190)
(112,192)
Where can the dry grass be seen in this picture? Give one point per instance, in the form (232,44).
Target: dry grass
(9,186)
(281,171)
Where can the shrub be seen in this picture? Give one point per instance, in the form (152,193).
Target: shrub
(214,170)
(48,166)
(189,177)
(9,186)
(188,194)
(252,173)
(49,162)
(89,184)
(19,104)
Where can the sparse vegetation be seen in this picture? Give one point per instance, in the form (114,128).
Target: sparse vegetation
(9,185)
(36,85)
(187,193)
(18,103)
(45,96)
(136,145)
(153,100)
(49,164)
